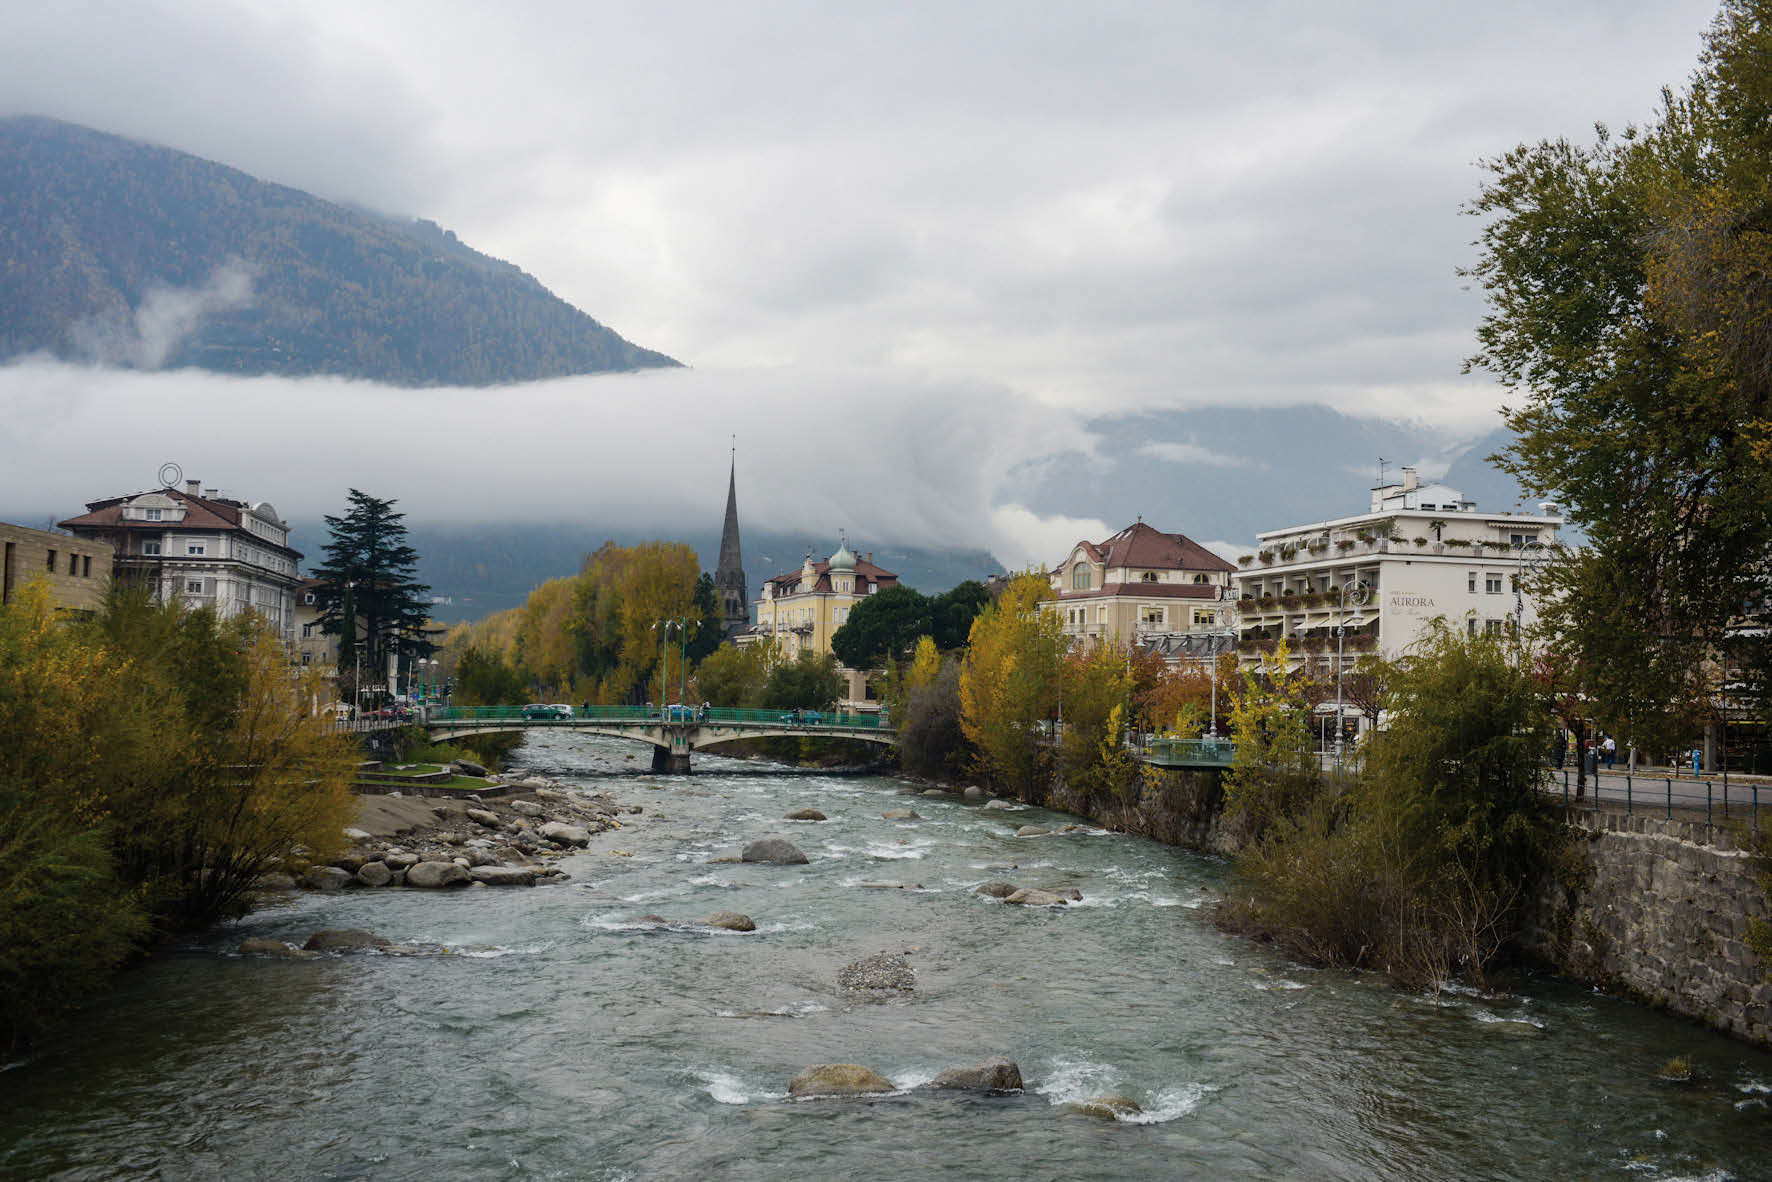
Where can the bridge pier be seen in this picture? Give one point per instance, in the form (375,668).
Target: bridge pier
(670,762)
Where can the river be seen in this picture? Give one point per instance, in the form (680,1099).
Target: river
(564,1040)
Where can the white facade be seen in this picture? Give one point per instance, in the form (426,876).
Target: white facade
(1422,552)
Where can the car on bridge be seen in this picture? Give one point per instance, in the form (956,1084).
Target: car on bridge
(802,717)
(540,712)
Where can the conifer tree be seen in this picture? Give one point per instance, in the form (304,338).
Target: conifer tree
(368,594)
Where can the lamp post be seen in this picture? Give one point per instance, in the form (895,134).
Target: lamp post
(1353,591)
(1212,639)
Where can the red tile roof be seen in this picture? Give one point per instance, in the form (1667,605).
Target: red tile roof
(788,582)
(1141,546)
(201,513)
(1149,591)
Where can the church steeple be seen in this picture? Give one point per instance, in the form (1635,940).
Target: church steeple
(729,582)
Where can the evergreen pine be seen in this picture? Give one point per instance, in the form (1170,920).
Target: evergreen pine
(368,595)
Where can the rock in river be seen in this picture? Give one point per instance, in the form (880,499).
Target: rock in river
(437,874)
(503,875)
(732,921)
(996,890)
(993,1075)
(773,849)
(374,874)
(564,834)
(900,815)
(1106,1107)
(326,878)
(1032,831)
(1033,897)
(805,815)
(256,947)
(838,1079)
(343,940)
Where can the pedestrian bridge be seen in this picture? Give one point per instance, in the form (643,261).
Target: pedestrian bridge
(673,731)
(1195,753)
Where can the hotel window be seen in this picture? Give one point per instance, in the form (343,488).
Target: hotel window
(151,514)
(1492,583)
(194,586)
(1471,581)
(1080,577)
(86,567)
(1101,613)
(1203,618)
(1492,627)
(1518,540)
(1149,576)
(1202,578)
(1153,615)
(150,547)
(194,548)
(52,562)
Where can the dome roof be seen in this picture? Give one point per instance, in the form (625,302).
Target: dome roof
(843,559)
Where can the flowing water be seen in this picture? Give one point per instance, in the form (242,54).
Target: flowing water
(564,1039)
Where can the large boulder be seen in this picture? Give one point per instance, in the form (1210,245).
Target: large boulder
(277,948)
(503,875)
(437,874)
(467,767)
(526,808)
(838,1079)
(326,878)
(993,1075)
(374,874)
(563,834)
(805,815)
(883,973)
(973,792)
(483,817)
(777,850)
(996,890)
(1033,897)
(900,815)
(732,921)
(999,803)
(358,834)
(1032,831)
(343,940)
(400,859)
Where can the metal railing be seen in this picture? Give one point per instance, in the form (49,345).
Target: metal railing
(1721,801)
(1190,752)
(643,715)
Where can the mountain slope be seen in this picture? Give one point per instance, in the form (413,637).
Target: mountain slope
(128,254)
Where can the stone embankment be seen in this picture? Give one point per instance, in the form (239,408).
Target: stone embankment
(513,840)
(1653,909)
(1660,910)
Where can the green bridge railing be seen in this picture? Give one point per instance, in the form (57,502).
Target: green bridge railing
(1190,752)
(641,715)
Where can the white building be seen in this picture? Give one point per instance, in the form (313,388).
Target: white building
(200,548)
(1421,551)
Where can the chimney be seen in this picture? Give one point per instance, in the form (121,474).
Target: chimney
(192,487)
(1410,483)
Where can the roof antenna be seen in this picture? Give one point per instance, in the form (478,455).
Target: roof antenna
(1380,471)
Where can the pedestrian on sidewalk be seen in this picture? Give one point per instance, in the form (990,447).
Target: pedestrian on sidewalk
(1609,751)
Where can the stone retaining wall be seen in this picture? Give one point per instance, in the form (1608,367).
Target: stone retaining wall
(1650,908)
(1654,909)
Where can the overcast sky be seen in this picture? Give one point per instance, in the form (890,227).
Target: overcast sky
(911,250)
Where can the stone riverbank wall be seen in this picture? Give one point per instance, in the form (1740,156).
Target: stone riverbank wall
(1653,909)
(1659,910)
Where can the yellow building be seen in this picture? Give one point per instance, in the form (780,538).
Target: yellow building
(801,609)
(1161,591)
(78,570)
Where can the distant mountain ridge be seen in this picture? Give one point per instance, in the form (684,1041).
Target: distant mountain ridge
(128,254)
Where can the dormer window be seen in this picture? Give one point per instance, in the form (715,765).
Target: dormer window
(1149,576)
(1202,578)
(152,514)
(1080,577)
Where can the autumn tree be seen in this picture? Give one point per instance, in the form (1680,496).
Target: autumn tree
(735,676)
(1630,314)
(1009,681)
(1276,770)
(1097,684)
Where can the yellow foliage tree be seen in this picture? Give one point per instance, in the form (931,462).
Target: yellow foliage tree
(1009,681)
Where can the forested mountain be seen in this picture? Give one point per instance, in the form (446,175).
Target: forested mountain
(130,254)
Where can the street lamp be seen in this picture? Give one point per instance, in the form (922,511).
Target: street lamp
(1212,639)
(1356,592)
